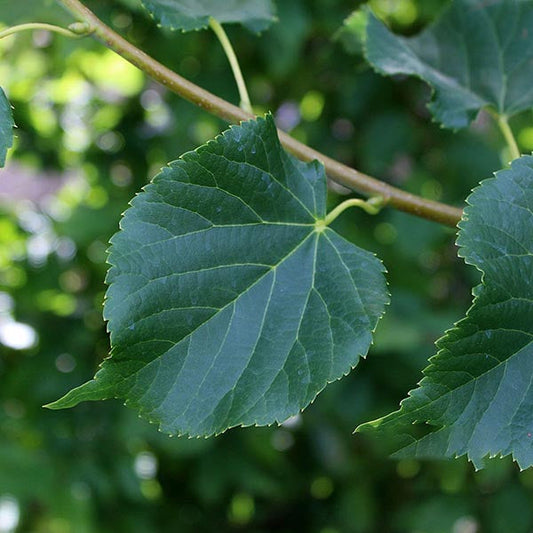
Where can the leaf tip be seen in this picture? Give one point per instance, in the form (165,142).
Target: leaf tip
(62,403)
(89,391)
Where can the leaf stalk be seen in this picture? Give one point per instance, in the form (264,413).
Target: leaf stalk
(372,206)
(218,30)
(75,31)
(503,123)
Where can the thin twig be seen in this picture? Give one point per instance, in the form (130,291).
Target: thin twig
(349,177)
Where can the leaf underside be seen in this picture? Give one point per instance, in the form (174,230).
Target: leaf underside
(6,127)
(227,304)
(477,394)
(187,15)
(478,54)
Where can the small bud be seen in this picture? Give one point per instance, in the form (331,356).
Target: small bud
(80,28)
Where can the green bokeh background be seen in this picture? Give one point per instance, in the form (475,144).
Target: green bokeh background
(91,131)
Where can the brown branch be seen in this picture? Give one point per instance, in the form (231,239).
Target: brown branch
(349,177)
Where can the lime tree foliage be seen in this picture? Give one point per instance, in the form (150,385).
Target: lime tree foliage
(232,302)
(477,393)
(478,54)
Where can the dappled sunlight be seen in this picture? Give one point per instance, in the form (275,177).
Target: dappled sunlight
(9,514)
(17,335)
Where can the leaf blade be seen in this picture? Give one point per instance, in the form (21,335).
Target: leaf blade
(6,127)
(227,305)
(474,398)
(189,15)
(475,55)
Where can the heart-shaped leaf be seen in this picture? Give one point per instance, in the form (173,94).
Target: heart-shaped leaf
(230,302)
(187,15)
(478,54)
(476,397)
(6,127)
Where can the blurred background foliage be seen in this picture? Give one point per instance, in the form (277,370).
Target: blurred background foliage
(91,131)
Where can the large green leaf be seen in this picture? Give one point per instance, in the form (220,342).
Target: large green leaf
(189,15)
(230,303)
(477,395)
(6,127)
(478,54)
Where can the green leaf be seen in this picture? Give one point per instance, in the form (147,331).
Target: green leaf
(478,54)
(477,394)
(352,33)
(230,302)
(187,15)
(6,127)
